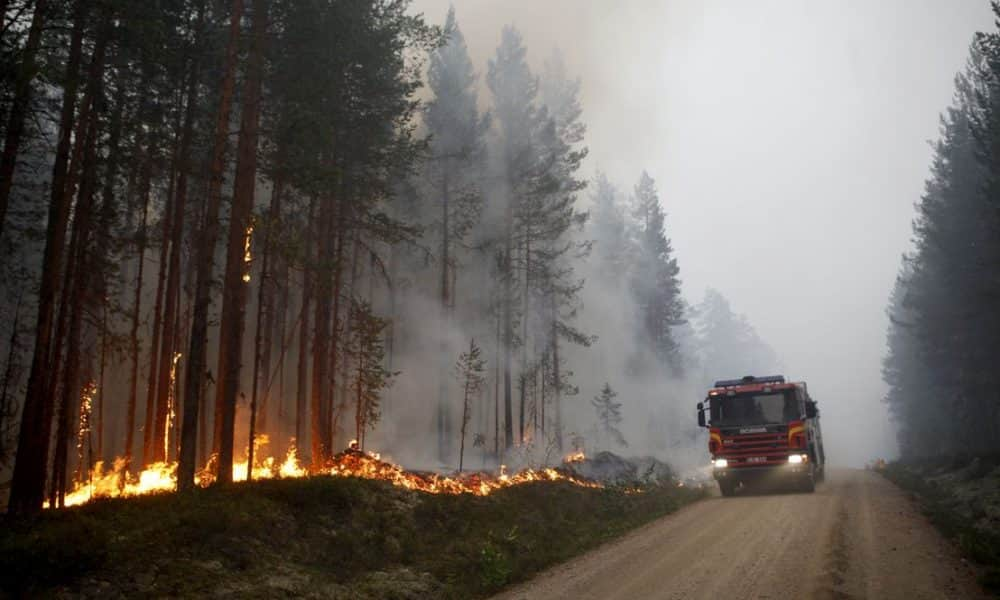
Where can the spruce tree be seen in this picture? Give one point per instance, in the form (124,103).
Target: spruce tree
(456,132)
(655,281)
(609,417)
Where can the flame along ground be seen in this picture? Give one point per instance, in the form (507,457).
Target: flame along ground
(116,481)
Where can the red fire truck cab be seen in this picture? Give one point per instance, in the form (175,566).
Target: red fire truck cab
(762,428)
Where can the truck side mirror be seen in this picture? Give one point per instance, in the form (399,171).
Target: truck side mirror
(701,415)
(811,411)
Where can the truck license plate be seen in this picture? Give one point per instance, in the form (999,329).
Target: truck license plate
(757,459)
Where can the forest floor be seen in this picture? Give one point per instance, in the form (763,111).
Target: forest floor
(318,537)
(961,497)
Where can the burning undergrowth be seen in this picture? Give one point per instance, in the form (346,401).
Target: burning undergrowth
(329,536)
(117,481)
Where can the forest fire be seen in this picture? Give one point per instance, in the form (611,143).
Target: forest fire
(116,481)
(574,457)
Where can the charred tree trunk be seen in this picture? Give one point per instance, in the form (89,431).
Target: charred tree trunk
(234,291)
(205,260)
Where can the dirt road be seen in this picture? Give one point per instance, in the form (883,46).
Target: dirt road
(857,536)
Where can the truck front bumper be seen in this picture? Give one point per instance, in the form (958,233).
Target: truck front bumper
(764,472)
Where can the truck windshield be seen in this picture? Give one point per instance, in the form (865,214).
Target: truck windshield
(753,409)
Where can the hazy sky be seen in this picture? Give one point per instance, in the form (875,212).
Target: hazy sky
(789,142)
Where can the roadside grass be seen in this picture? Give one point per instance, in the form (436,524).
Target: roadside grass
(946,511)
(318,537)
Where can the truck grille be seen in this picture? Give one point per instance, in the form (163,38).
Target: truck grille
(755,449)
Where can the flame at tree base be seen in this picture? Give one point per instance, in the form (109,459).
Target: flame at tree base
(116,481)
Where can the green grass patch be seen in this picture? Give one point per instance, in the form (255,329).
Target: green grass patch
(318,537)
(941,506)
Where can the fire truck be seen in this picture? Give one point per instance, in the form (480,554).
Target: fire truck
(762,428)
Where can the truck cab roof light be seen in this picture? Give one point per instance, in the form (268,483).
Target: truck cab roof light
(750,379)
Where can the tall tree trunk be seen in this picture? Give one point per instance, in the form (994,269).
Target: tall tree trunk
(134,337)
(465,411)
(234,291)
(282,304)
(496,389)
(266,298)
(205,260)
(164,384)
(259,335)
(76,296)
(104,245)
(22,96)
(149,436)
(6,410)
(28,482)
(84,162)
(341,336)
(523,379)
(302,382)
(556,375)
(508,313)
(99,451)
(321,392)
(443,412)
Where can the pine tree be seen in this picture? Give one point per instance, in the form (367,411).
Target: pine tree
(514,89)
(469,370)
(369,377)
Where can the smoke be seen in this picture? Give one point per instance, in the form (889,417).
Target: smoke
(789,145)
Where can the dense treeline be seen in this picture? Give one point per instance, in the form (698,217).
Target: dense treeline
(234,223)
(944,329)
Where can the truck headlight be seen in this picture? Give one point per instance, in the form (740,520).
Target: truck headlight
(721,463)
(795,459)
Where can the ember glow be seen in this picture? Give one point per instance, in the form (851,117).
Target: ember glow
(247,257)
(574,457)
(162,477)
(171,408)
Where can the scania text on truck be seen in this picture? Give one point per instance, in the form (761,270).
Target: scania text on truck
(762,428)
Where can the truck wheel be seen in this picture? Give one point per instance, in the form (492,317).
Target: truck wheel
(727,487)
